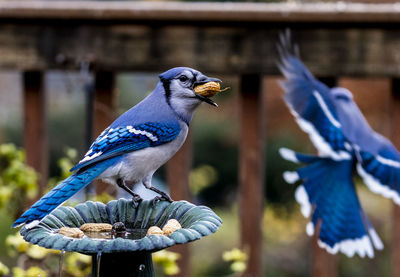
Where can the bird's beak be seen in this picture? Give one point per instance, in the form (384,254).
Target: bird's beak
(206,88)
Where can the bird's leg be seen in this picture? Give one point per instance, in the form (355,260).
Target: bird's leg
(136,199)
(163,196)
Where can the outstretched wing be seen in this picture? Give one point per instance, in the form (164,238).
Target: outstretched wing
(378,160)
(328,195)
(312,104)
(116,141)
(381,170)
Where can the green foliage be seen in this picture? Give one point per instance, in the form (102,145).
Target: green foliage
(16,245)
(283,225)
(167,261)
(202,177)
(237,258)
(78,265)
(18,272)
(18,184)
(34,260)
(18,181)
(64,164)
(4,270)
(36,252)
(35,271)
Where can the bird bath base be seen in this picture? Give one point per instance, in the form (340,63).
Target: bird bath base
(128,257)
(129,264)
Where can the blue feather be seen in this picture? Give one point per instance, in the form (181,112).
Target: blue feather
(312,102)
(381,173)
(116,141)
(62,192)
(169,74)
(343,139)
(330,190)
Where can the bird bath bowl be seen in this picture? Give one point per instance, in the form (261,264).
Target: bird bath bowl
(128,256)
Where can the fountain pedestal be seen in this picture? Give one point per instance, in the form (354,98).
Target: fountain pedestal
(128,264)
(123,256)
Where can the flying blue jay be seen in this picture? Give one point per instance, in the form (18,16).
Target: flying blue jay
(135,145)
(344,141)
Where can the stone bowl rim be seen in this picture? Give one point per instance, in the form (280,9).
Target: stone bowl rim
(196,221)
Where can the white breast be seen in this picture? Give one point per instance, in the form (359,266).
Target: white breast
(138,164)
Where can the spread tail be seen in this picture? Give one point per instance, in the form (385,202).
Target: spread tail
(328,195)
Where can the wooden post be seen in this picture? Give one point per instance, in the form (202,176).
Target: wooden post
(396,236)
(35,125)
(323,263)
(178,169)
(395,138)
(105,111)
(251,172)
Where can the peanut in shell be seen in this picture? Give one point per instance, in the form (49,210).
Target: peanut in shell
(71,232)
(154,230)
(96,227)
(171,226)
(208,89)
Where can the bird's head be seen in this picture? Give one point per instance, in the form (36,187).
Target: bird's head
(186,88)
(180,86)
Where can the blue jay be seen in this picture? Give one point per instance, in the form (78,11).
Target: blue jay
(135,145)
(344,141)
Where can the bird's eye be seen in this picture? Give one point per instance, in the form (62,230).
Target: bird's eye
(183,78)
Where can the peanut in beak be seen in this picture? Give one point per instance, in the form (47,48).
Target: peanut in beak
(209,89)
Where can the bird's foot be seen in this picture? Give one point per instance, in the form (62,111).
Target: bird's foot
(155,200)
(136,200)
(166,197)
(163,195)
(161,198)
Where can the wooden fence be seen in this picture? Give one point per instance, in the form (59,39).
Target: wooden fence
(338,39)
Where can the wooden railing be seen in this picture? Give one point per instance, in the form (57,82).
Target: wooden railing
(339,39)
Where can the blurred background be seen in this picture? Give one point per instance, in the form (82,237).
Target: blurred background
(67,69)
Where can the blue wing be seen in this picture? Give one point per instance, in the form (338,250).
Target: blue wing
(116,141)
(381,171)
(328,195)
(312,104)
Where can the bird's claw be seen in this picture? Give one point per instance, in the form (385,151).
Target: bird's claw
(136,200)
(163,195)
(155,200)
(166,197)
(161,198)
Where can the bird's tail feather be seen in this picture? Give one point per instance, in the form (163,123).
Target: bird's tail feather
(59,194)
(328,195)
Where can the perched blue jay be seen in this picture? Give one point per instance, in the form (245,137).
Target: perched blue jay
(135,145)
(344,141)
